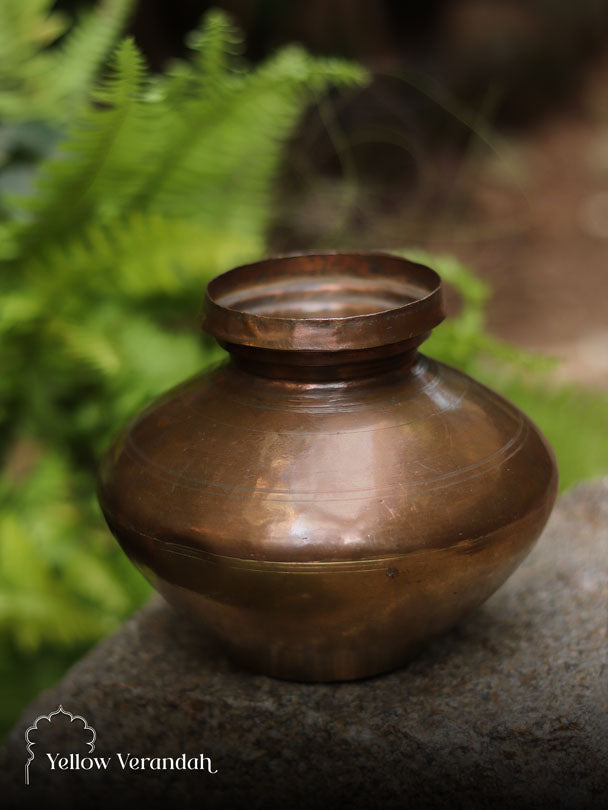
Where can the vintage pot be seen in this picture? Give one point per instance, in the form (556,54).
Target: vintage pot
(328,499)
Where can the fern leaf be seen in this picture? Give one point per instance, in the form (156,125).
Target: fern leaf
(69,183)
(219,158)
(80,56)
(38,82)
(215,44)
(84,343)
(222,166)
(157,187)
(138,256)
(69,594)
(27,27)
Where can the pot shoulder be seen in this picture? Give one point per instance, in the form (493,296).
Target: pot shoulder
(242,466)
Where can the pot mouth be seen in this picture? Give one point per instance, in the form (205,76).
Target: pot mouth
(324,301)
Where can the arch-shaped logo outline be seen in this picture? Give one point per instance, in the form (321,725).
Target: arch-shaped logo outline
(59,710)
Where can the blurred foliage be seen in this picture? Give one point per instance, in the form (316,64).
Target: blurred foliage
(574,420)
(38,82)
(119,200)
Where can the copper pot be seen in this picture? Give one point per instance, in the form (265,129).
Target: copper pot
(328,499)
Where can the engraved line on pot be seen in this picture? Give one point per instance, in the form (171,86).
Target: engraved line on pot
(288,567)
(231,487)
(450,406)
(455,402)
(515,414)
(465,545)
(453,478)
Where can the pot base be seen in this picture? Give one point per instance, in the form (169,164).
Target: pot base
(334,621)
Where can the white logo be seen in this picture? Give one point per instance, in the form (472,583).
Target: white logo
(74,718)
(75,761)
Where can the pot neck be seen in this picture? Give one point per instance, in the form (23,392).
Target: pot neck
(330,366)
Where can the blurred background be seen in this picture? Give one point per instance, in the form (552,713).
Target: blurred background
(472,134)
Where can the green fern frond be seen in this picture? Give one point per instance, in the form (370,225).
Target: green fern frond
(33,617)
(74,185)
(39,82)
(156,187)
(138,256)
(464,341)
(26,27)
(102,270)
(178,254)
(215,45)
(85,48)
(120,345)
(67,595)
(213,156)
(82,343)
(227,149)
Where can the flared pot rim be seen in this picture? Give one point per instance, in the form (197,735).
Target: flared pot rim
(324,301)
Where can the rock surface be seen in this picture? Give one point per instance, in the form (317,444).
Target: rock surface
(508,710)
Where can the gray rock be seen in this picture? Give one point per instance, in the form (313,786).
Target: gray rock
(510,709)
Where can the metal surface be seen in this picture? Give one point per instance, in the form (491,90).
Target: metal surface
(329,499)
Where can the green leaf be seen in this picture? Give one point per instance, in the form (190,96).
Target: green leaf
(82,53)
(39,82)
(74,185)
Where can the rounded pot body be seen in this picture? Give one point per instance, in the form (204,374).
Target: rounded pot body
(329,498)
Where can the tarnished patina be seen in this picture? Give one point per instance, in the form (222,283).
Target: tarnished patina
(329,498)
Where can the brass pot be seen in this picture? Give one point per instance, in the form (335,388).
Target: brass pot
(329,498)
